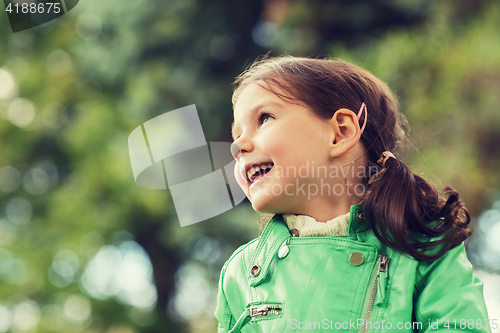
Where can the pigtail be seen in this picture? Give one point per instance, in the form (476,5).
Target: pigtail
(406,213)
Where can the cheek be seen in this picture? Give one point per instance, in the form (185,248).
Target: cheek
(239,178)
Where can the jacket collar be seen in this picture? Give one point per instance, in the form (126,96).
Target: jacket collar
(357,220)
(273,236)
(276,233)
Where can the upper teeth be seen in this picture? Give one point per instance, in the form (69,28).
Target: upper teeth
(252,172)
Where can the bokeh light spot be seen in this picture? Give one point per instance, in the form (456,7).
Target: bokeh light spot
(7,232)
(19,211)
(10,179)
(124,272)
(26,315)
(21,112)
(36,181)
(64,267)
(88,26)
(58,63)
(77,309)
(5,318)
(194,296)
(265,33)
(8,87)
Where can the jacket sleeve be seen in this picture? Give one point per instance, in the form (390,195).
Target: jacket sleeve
(449,297)
(222,312)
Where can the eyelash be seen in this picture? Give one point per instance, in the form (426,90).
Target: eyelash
(262,116)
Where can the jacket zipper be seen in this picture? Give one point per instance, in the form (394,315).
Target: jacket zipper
(254,311)
(264,310)
(378,284)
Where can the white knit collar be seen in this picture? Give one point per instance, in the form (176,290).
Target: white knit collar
(308,226)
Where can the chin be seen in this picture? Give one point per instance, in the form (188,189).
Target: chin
(259,208)
(267,206)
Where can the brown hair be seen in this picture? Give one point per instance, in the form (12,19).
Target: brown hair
(403,209)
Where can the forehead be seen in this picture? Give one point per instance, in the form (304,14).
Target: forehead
(254,92)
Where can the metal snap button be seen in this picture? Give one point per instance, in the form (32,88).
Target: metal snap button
(361,216)
(294,232)
(255,270)
(283,252)
(356,258)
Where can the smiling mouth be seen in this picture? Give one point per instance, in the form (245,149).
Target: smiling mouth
(259,171)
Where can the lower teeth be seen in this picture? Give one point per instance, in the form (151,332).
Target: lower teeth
(261,175)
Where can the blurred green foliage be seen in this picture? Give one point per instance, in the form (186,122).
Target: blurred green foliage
(76,233)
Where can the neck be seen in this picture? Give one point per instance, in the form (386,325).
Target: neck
(340,192)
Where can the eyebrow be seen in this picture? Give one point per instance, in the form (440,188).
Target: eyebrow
(256,109)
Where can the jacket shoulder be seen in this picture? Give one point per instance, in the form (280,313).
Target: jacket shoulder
(236,257)
(454,261)
(447,289)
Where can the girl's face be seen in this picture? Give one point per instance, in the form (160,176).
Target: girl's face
(288,139)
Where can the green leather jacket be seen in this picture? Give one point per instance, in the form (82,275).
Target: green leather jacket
(352,283)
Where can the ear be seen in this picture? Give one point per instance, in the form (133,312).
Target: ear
(345,132)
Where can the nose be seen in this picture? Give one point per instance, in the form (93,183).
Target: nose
(239,147)
(235,151)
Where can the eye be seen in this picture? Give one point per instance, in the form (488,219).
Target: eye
(263,117)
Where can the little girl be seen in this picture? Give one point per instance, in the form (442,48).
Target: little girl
(357,243)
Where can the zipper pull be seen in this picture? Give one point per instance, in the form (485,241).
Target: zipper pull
(382,276)
(253,311)
(264,310)
(242,321)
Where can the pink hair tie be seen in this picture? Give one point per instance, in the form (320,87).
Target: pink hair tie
(384,157)
(360,112)
(381,161)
